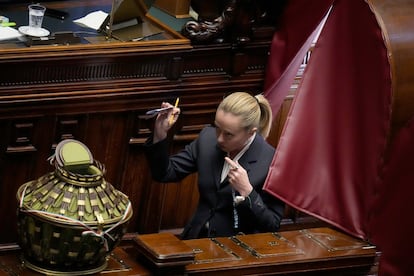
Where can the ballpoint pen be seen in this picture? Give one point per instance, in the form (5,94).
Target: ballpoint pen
(154,112)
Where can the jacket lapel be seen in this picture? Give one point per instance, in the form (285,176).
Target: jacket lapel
(252,154)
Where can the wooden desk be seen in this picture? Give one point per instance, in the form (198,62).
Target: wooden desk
(120,263)
(317,251)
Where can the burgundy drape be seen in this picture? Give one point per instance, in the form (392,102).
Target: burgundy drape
(331,158)
(290,45)
(329,154)
(391,224)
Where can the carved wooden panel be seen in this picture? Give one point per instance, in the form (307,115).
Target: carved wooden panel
(21,138)
(69,127)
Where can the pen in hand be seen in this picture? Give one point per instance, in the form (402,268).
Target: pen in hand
(172,115)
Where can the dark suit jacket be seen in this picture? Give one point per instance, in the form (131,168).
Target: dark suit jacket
(260,212)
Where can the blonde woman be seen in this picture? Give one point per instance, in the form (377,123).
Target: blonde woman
(232,160)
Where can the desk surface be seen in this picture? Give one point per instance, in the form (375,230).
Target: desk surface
(77,9)
(318,251)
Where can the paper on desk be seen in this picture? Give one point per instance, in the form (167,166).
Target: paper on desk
(92,20)
(9,33)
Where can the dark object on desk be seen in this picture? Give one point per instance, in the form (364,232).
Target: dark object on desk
(126,22)
(63,38)
(238,21)
(177,9)
(59,14)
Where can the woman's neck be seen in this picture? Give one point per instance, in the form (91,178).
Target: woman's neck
(241,151)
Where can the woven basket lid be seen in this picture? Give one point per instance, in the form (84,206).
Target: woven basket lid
(76,191)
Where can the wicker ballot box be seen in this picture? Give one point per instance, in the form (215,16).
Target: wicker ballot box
(69,220)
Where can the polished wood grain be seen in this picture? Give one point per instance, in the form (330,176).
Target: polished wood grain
(312,251)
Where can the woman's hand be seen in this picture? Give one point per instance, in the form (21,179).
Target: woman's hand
(238,178)
(164,121)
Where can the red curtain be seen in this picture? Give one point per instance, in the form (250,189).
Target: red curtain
(290,44)
(331,148)
(330,161)
(391,225)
